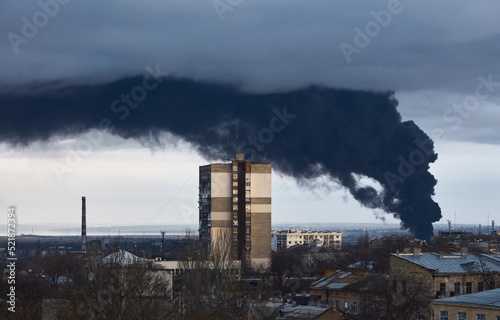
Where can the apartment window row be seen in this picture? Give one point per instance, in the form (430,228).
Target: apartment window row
(443,315)
(235,168)
(458,288)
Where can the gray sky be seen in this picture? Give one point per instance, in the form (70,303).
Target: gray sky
(435,56)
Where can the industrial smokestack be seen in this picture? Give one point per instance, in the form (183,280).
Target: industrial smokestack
(162,242)
(84,226)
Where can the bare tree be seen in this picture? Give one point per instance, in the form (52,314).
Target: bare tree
(119,287)
(211,287)
(405,292)
(487,276)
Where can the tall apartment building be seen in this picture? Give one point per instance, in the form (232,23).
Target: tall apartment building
(235,200)
(293,237)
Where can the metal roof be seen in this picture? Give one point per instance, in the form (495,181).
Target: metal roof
(490,298)
(453,263)
(337,281)
(122,257)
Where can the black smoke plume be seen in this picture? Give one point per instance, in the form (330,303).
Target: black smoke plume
(343,134)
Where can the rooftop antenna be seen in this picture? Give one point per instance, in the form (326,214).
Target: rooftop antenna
(237,135)
(488,219)
(162,242)
(455,218)
(449,226)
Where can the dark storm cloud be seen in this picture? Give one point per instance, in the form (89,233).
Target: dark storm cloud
(305,133)
(262,45)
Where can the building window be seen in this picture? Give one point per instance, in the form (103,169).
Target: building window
(235,214)
(417,314)
(248,254)
(235,238)
(235,176)
(235,168)
(337,304)
(247,176)
(235,230)
(247,238)
(468,287)
(457,288)
(235,183)
(235,222)
(461,316)
(235,199)
(235,191)
(442,289)
(247,223)
(247,207)
(247,184)
(248,214)
(480,286)
(248,230)
(443,315)
(346,306)
(480,316)
(354,308)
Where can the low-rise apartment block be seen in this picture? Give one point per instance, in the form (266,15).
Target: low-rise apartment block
(293,237)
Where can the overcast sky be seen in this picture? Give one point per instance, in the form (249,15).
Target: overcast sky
(440,58)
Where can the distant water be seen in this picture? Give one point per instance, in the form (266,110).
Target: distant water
(114,230)
(99,230)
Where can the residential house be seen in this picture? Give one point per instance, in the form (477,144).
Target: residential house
(355,291)
(452,274)
(483,305)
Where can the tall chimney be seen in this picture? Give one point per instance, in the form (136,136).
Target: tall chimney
(84,227)
(162,242)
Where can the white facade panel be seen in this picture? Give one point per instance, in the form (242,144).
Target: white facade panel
(260,185)
(221,185)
